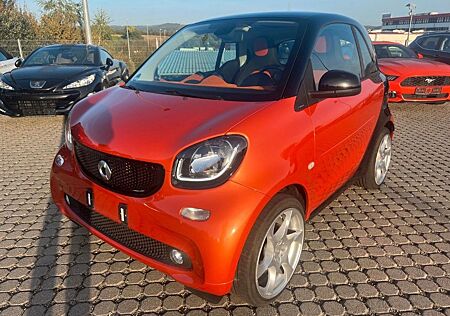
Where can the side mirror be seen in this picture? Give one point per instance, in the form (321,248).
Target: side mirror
(18,62)
(420,56)
(337,83)
(109,62)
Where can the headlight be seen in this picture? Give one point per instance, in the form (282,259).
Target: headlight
(81,83)
(391,77)
(210,163)
(5,86)
(68,135)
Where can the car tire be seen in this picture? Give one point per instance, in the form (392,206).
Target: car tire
(380,160)
(268,251)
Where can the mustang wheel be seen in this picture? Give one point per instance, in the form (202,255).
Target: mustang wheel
(379,162)
(272,251)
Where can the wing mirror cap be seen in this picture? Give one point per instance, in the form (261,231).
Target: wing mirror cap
(336,84)
(18,63)
(109,62)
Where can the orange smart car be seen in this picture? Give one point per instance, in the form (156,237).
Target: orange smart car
(206,164)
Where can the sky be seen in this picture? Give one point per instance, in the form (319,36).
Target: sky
(150,12)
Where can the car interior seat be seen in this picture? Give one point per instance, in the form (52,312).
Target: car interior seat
(261,66)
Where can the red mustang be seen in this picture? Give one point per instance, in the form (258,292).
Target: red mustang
(206,164)
(412,78)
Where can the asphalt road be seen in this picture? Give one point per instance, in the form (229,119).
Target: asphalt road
(370,252)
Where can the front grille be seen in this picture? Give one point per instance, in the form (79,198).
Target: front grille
(426,81)
(125,236)
(35,107)
(128,177)
(425,96)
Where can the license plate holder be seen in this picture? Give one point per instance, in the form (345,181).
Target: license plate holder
(428,90)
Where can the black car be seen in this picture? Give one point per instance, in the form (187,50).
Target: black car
(53,78)
(433,46)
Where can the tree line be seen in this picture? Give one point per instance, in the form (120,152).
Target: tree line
(60,20)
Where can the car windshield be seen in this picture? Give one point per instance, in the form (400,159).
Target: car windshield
(63,55)
(393,51)
(229,59)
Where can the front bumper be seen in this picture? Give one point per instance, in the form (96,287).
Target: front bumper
(213,246)
(25,103)
(398,93)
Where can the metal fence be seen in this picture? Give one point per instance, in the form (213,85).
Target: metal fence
(133,54)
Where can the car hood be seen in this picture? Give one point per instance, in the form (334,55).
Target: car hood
(411,66)
(53,75)
(153,127)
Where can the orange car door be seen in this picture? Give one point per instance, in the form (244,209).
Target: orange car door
(334,119)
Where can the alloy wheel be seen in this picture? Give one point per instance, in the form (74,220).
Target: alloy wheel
(383,159)
(279,253)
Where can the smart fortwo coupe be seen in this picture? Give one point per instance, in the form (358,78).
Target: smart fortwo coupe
(206,164)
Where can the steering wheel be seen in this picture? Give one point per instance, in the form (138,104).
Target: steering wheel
(276,72)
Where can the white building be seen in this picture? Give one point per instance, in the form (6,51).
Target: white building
(423,21)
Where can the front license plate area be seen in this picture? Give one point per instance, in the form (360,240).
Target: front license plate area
(428,90)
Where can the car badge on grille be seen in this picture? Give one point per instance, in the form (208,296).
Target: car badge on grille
(429,80)
(104,170)
(37,84)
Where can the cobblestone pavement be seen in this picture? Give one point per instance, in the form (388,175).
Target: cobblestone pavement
(370,252)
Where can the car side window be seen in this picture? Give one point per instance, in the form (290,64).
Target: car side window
(104,56)
(335,49)
(446,45)
(366,56)
(2,57)
(429,42)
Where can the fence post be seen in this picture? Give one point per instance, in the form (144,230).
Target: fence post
(129,48)
(20,48)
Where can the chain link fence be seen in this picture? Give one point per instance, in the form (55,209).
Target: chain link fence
(134,54)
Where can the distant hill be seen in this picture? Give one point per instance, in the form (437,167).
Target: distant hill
(153,29)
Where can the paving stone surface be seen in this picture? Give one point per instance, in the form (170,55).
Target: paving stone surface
(384,251)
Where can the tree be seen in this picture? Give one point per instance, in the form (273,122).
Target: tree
(101,30)
(16,23)
(133,32)
(61,20)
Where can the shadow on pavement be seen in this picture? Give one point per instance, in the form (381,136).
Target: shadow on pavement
(60,278)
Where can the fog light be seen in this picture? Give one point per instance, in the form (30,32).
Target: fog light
(195,214)
(59,160)
(176,256)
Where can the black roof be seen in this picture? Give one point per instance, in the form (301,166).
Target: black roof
(314,17)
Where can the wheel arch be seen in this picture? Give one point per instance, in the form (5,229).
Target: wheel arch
(299,192)
(296,190)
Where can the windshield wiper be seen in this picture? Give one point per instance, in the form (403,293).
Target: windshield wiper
(192,95)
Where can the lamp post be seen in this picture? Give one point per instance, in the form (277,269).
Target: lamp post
(87,23)
(411,7)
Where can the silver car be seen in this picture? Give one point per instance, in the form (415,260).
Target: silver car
(7,62)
